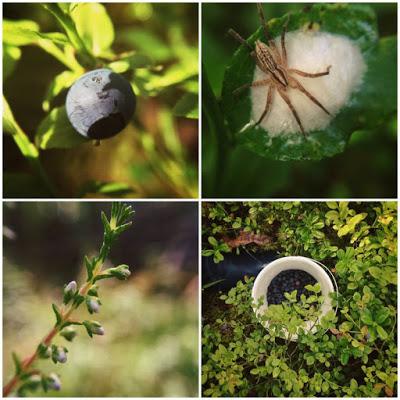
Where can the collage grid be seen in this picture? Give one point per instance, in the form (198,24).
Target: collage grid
(199,199)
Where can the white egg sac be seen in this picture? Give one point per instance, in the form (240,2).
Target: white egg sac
(311,52)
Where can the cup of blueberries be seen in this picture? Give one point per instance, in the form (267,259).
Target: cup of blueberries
(287,274)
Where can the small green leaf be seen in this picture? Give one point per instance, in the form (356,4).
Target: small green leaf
(375,272)
(55,131)
(57,314)
(89,264)
(109,189)
(212,241)
(381,332)
(17,363)
(106,223)
(366,317)
(187,106)
(344,357)
(344,230)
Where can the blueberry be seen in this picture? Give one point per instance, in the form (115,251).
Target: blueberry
(100,104)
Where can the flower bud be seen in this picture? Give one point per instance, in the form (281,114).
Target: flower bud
(68,333)
(121,272)
(71,287)
(92,304)
(59,354)
(69,291)
(93,328)
(53,381)
(44,351)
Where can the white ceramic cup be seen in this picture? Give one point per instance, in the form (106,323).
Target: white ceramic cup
(308,265)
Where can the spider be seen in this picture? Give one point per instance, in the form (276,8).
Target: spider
(280,77)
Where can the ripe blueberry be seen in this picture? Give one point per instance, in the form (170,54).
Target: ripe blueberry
(100,104)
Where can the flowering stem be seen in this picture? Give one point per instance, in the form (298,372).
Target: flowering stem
(120,220)
(27,362)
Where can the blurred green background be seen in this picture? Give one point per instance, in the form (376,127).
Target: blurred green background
(156,155)
(150,347)
(367,168)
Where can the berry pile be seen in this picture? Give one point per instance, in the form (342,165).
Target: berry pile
(287,281)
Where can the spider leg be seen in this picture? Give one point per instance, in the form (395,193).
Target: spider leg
(292,109)
(271,91)
(271,42)
(284,55)
(263,82)
(239,38)
(308,75)
(298,85)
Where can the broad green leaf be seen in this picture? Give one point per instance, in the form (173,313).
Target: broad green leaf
(358,23)
(187,106)
(11,55)
(62,81)
(20,32)
(356,219)
(55,131)
(332,205)
(94,26)
(375,272)
(344,230)
(212,241)
(381,332)
(366,317)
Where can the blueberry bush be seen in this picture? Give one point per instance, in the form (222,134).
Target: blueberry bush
(353,352)
(152,49)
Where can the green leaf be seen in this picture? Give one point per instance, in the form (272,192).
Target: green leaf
(61,82)
(366,317)
(358,23)
(187,106)
(381,332)
(344,230)
(109,189)
(275,372)
(94,26)
(17,363)
(375,272)
(90,264)
(57,314)
(56,132)
(344,357)
(19,32)
(212,241)
(11,55)
(332,205)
